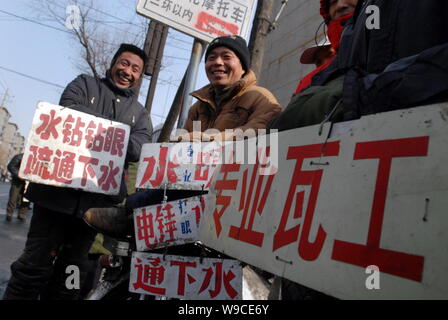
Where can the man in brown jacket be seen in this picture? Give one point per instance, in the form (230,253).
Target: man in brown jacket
(232,100)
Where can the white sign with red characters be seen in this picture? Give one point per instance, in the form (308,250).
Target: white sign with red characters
(202,19)
(183,165)
(373,196)
(182,277)
(170,224)
(68,148)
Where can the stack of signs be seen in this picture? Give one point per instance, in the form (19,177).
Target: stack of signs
(180,166)
(72,149)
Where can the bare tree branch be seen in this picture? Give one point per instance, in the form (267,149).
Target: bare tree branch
(97,41)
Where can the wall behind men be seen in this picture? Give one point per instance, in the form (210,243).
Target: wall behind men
(294,33)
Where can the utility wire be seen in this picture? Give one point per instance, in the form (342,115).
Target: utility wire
(33,78)
(34,21)
(68,32)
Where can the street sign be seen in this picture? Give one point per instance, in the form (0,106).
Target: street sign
(360,215)
(189,278)
(72,149)
(202,19)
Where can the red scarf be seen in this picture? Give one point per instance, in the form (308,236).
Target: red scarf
(334,32)
(335,28)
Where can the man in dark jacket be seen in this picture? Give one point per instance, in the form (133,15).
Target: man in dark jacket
(399,64)
(16,190)
(232,100)
(58,237)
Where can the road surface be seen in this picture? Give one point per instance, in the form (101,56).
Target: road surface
(12,237)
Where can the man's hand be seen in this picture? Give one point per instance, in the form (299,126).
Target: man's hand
(194,137)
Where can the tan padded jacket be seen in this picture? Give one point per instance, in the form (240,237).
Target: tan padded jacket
(245,106)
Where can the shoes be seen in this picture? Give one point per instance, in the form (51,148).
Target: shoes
(8,217)
(21,217)
(114,221)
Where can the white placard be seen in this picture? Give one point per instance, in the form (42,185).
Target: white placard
(170,224)
(183,165)
(189,278)
(68,148)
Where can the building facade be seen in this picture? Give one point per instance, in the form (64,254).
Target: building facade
(297,30)
(11,142)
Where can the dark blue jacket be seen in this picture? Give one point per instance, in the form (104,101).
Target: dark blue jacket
(101,98)
(402,64)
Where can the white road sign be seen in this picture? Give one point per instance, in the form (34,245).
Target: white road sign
(202,19)
(68,148)
(362,215)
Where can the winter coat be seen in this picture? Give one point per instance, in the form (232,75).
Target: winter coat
(99,97)
(245,106)
(401,64)
(14,166)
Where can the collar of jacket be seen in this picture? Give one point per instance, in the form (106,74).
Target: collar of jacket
(128,92)
(206,94)
(335,29)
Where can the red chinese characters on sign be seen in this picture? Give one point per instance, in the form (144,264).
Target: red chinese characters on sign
(246,233)
(48,127)
(148,223)
(150,276)
(182,274)
(74,131)
(213,25)
(306,249)
(223,201)
(206,162)
(109,176)
(42,158)
(72,135)
(197,211)
(88,171)
(58,166)
(401,264)
(220,278)
(182,277)
(163,165)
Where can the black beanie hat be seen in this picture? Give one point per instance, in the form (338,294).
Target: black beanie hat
(125,47)
(236,44)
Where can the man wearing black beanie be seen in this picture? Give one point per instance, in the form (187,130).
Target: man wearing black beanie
(232,100)
(58,237)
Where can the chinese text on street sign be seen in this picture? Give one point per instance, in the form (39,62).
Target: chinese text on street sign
(202,19)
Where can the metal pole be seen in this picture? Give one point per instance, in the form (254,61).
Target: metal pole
(161,33)
(190,83)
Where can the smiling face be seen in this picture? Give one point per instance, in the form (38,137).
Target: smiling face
(223,67)
(339,8)
(127,70)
